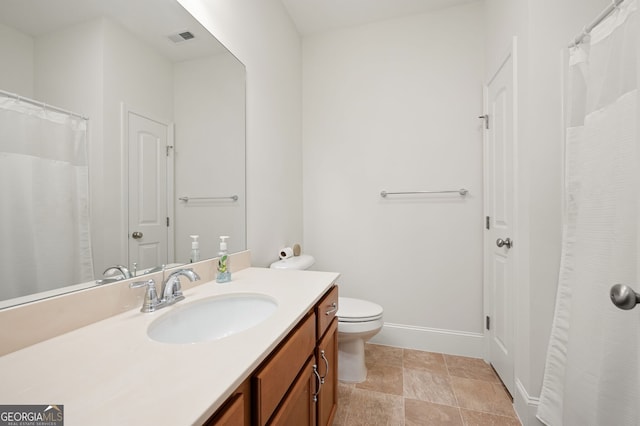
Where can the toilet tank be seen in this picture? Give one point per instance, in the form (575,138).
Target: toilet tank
(304,261)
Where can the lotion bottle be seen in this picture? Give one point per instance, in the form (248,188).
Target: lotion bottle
(224,271)
(195,249)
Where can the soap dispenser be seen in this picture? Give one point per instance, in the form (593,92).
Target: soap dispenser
(195,248)
(224,271)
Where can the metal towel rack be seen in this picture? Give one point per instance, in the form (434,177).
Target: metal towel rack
(463,192)
(187,199)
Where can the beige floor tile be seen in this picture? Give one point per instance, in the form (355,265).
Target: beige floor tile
(470,368)
(419,360)
(476,418)
(420,413)
(482,396)
(384,379)
(369,408)
(409,387)
(383,355)
(427,386)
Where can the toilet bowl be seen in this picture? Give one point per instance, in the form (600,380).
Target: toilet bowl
(358,321)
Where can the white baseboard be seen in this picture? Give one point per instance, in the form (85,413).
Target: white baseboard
(431,340)
(526,406)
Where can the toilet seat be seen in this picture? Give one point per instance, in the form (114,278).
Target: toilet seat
(357,310)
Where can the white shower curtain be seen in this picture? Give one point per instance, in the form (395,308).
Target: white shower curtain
(592,374)
(44,211)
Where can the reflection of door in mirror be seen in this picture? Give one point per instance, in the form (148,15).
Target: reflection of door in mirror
(149,168)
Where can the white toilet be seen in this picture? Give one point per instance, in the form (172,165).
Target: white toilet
(358,321)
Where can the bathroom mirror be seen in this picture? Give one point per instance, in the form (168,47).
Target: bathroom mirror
(165,136)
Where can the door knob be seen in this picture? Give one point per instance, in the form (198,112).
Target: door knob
(506,242)
(624,297)
(136,235)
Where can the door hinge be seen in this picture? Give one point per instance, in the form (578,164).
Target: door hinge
(488,322)
(487,223)
(167,222)
(485,117)
(168,148)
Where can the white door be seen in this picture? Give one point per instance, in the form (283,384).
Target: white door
(148,217)
(499,246)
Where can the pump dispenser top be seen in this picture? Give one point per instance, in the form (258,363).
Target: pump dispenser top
(195,248)
(223,243)
(224,271)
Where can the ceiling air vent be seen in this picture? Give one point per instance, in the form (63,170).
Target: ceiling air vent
(180,37)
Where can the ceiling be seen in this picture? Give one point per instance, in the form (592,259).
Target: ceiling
(312,16)
(150,20)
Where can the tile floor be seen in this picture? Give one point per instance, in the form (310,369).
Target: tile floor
(407,387)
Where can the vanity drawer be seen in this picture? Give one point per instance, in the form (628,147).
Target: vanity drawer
(326,310)
(274,378)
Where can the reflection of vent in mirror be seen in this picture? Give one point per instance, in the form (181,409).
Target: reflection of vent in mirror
(180,37)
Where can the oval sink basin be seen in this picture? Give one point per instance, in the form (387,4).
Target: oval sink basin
(212,319)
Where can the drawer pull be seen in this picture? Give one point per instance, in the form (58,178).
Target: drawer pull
(334,308)
(326,363)
(319,381)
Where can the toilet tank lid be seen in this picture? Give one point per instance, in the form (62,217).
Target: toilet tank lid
(304,261)
(349,308)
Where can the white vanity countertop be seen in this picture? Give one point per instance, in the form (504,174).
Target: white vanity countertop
(112,373)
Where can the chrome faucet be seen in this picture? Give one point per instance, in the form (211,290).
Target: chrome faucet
(171,289)
(126,274)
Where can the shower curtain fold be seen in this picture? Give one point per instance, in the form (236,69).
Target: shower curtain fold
(44,213)
(592,374)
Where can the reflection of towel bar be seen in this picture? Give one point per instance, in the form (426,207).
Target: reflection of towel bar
(186,199)
(462,192)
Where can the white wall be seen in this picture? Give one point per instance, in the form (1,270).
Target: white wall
(543,29)
(262,36)
(68,74)
(209,111)
(393,106)
(17,52)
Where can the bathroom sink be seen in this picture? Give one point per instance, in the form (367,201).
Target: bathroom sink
(212,318)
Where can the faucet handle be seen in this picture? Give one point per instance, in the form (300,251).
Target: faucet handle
(138,284)
(151,302)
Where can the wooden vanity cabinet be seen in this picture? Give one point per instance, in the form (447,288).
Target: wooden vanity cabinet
(327,357)
(297,408)
(236,411)
(273,381)
(297,385)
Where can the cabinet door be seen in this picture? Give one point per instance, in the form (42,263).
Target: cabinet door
(327,357)
(231,415)
(298,407)
(274,378)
